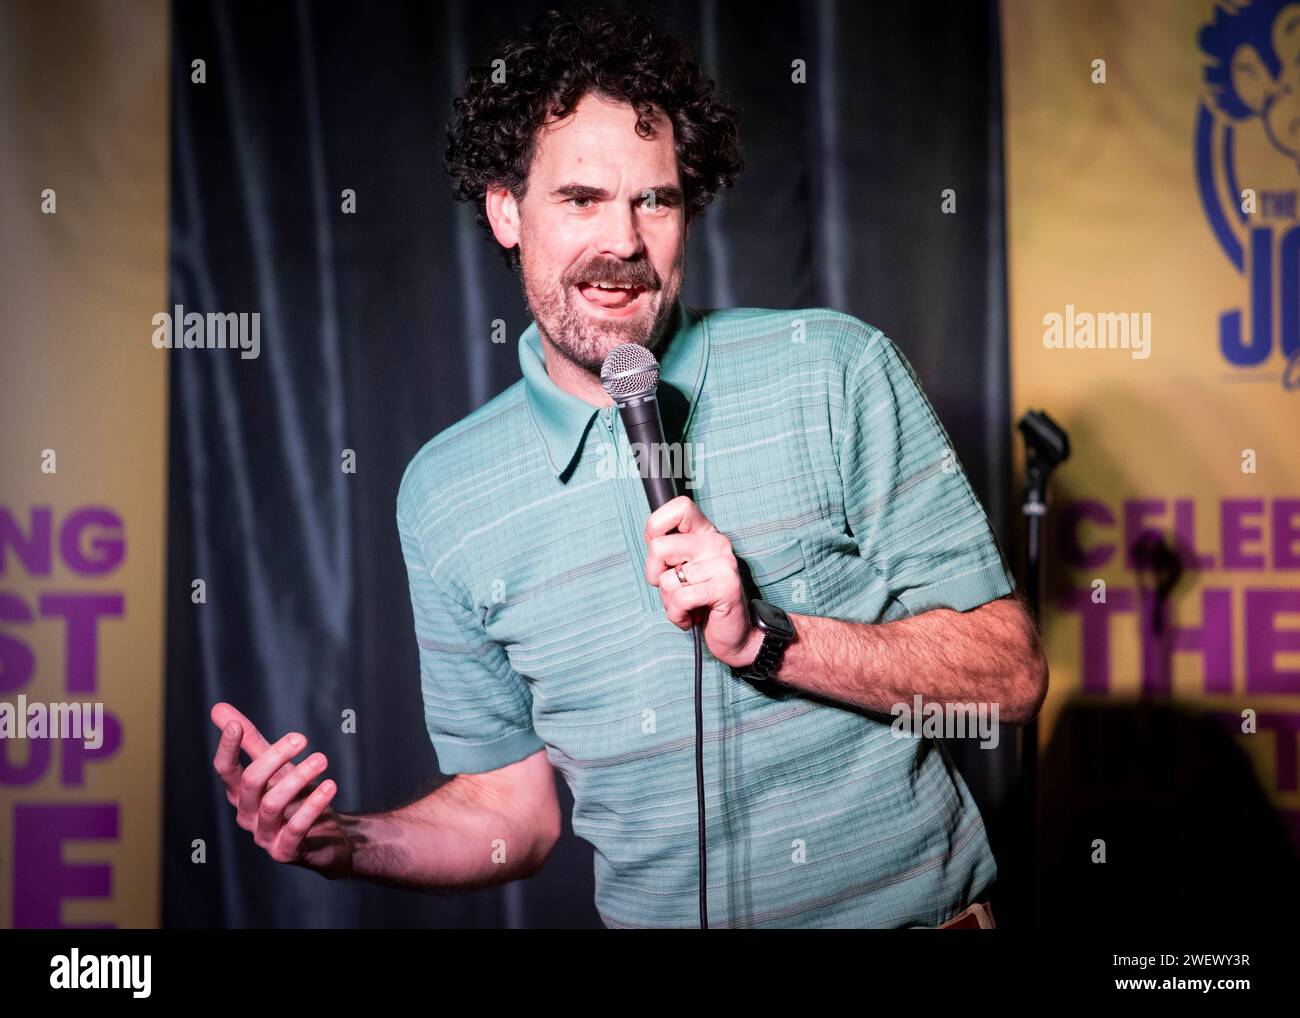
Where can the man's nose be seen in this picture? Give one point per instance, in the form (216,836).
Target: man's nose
(618,234)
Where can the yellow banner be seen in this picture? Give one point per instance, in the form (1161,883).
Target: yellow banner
(1153,163)
(83,268)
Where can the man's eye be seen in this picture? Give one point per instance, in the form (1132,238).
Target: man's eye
(657,203)
(575,199)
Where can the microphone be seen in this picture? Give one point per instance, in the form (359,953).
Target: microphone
(630,375)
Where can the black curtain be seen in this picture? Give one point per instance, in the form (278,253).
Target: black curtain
(376,334)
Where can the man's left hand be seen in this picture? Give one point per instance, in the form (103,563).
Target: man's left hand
(712,590)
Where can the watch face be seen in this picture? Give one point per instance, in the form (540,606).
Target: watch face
(769,616)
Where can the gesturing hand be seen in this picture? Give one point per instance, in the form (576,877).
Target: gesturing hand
(712,589)
(288,817)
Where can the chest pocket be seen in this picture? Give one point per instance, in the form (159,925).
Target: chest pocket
(779,576)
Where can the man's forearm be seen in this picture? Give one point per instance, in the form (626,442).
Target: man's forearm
(451,840)
(990,654)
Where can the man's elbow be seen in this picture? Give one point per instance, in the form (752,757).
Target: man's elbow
(1025,687)
(1030,685)
(546,830)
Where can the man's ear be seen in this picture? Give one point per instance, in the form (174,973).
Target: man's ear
(503,215)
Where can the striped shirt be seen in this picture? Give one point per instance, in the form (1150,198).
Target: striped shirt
(812,447)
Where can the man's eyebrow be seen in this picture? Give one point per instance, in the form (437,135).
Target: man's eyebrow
(579,191)
(669,194)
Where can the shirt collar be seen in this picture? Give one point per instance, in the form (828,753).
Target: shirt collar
(562,419)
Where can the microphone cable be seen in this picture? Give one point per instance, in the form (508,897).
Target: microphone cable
(630,376)
(699,776)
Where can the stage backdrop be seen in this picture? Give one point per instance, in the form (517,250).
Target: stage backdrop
(83,411)
(376,334)
(1154,248)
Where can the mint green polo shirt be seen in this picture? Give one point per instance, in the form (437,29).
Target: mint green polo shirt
(814,450)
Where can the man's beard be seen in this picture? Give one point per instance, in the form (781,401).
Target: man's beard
(582,339)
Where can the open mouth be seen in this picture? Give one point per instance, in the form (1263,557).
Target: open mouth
(611,296)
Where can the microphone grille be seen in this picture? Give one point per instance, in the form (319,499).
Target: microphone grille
(629,371)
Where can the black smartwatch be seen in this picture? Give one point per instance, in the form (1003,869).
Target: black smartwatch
(778,632)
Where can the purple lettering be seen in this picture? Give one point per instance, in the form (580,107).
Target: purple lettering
(1071,546)
(1236,532)
(106,551)
(82,612)
(42,880)
(1286,533)
(16,659)
(1135,513)
(1095,639)
(33,769)
(1185,528)
(75,752)
(1212,639)
(1264,641)
(34,550)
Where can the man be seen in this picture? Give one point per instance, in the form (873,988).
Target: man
(552,609)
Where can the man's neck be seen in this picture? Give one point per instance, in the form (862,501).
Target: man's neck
(573,379)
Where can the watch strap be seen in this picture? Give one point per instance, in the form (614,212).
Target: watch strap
(768,659)
(769,656)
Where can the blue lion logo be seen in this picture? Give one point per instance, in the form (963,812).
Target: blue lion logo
(1255,68)
(1252,103)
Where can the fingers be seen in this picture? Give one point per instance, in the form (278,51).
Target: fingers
(668,550)
(252,741)
(679,514)
(712,582)
(268,792)
(664,552)
(270,814)
(254,744)
(679,603)
(698,571)
(253,784)
(226,762)
(288,844)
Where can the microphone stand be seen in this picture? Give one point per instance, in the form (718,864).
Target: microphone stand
(1046,447)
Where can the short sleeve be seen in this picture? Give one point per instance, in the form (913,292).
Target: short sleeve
(907,499)
(477,708)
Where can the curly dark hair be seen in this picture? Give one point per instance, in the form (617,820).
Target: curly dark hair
(492,135)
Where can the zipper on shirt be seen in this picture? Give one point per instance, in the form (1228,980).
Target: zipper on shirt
(633,509)
(633,516)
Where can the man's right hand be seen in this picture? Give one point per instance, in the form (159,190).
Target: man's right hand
(276,800)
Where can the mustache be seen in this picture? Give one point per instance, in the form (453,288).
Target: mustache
(640,274)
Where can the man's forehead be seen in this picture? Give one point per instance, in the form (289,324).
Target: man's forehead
(598,125)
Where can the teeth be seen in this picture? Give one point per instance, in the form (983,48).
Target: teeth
(612,286)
